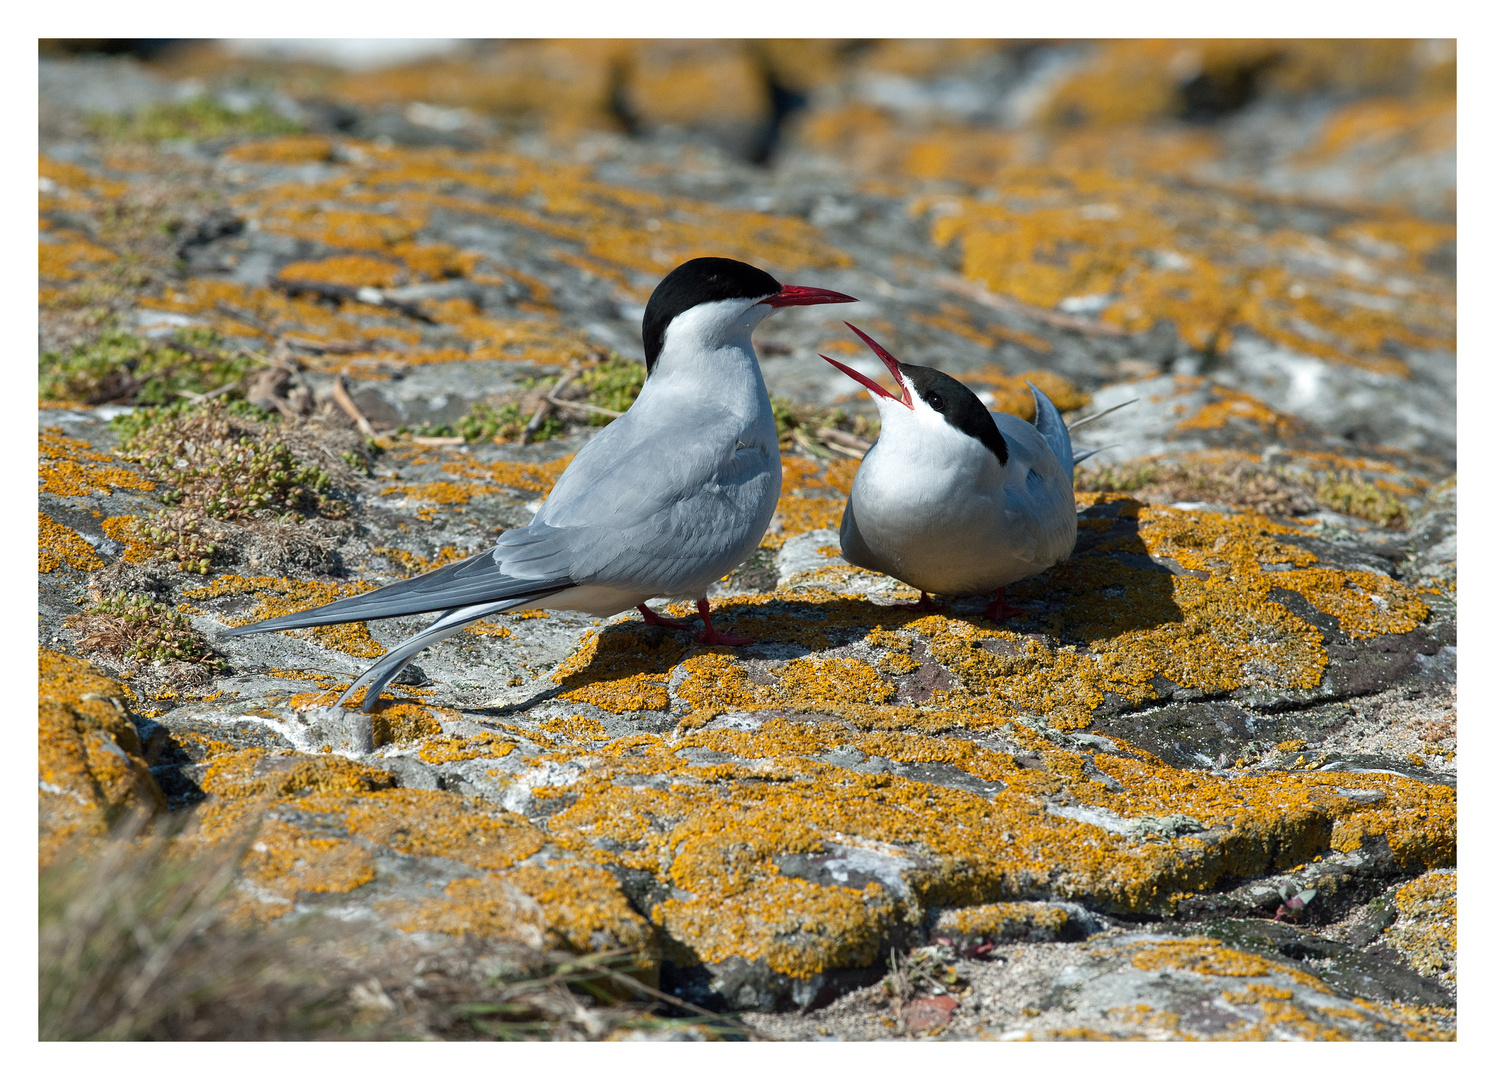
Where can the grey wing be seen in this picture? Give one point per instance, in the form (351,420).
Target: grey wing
(1038,498)
(1051,426)
(670,546)
(528,563)
(654,511)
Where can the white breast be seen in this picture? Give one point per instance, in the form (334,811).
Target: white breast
(935,509)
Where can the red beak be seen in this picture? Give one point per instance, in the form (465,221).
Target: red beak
(802,296)
(903,397)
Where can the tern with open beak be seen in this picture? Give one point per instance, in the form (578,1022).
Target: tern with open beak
(662,502)
(953,498)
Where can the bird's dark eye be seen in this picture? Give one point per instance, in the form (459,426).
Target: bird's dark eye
(936,403)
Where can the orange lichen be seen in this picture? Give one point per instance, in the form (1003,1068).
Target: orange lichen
(577,727)
(440,492)
(57,545)
(399,722)
(1366,604)
(1234,405)
(1151,252)
(622,669)
(486,744)
(254,772)
(798,928)
(1427,930)
(414,564)
(815,682)
(124,529)
(90,763)
(286,860)
(286,150)
(69,256)
(994,922)
(566,906)
(538,477)
(286,596)
(352,270)
(437,823)
(718,829)
(71,467)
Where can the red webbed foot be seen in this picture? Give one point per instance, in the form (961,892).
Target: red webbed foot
(924,604)
(651,619)
(711,635)
(999,610)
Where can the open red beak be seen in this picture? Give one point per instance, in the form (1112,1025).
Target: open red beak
(903,397)
(802,296)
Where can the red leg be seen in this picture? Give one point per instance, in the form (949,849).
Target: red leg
(652,619)
(924,604)
(713,636)
(999,610)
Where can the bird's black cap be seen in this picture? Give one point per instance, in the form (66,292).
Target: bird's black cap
(699,281)
(961,408)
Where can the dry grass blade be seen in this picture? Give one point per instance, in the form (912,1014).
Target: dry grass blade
(136,941)
(548,403)
(111,927)
(586,997)
(345,402)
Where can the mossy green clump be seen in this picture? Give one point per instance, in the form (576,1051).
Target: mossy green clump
(1343,492)
(613,384)
(174,536)
(128,425)
(199,118)
(123,369)
(215,462)
(798,423)
(1236,482)
(128,626)
(503,423)
(1117,478)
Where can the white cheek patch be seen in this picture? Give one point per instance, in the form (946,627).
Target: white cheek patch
(715,323)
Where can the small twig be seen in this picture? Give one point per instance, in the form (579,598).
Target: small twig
(547,404)
(583,407)
(249,318)
(210,395)
(438,440)
(258,358)
(340,347)
(345,402)
(974,291)
(809,446)
(635,984)
(197,352)
(844,441)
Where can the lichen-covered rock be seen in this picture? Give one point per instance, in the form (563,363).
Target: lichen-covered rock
(1202,786)
(89,756)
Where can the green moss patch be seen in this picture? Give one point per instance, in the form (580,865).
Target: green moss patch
(123,369)
(199,118)
(126,627)
(216,461)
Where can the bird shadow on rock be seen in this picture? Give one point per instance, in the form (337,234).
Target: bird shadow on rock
(1109,586)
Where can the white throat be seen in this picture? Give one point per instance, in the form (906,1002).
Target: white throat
(709,340)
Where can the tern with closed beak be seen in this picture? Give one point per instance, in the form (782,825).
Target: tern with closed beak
(666,499)
(955,499)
